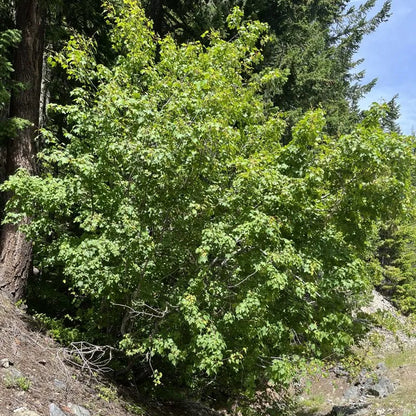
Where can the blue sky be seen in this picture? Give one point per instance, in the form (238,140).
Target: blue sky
(390,56)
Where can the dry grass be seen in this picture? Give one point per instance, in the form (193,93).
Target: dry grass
(402,369)
(401,364)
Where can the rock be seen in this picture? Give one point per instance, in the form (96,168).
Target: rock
(55,410)
(340,371)
(382,388)
(378,384)
(380,303)
(353,393)
(11,375)
(60,384)
(5,363)
(381,368)
(23,411)
(374,383)
(78,410)
(356,409)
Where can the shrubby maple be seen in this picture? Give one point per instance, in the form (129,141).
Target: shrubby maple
(315,42)
(173,206)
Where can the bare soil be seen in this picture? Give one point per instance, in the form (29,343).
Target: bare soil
(396,349)
(34,373)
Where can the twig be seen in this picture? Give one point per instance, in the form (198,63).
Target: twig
(89,357)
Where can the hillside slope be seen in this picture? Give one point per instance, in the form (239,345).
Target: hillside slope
(385,387)
(36,379)
(35,376)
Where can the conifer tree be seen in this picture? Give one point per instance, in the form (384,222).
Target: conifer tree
(315,42)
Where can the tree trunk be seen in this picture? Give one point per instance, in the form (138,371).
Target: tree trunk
(15,250)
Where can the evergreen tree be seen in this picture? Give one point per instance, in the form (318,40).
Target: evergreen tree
(314,42)
(19,149)
(38,22)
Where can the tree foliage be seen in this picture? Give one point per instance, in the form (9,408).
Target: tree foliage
(201,241)
(398,262)
(8,39)
(315,42)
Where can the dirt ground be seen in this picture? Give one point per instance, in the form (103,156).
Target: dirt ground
(398,355)
(34,373)
(329,392)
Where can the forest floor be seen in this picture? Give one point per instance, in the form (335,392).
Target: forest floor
(36,376)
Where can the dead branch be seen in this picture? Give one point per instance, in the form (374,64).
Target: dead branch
(89,357)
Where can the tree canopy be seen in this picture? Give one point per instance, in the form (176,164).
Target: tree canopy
(315,42)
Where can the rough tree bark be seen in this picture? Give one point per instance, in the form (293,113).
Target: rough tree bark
(15,250)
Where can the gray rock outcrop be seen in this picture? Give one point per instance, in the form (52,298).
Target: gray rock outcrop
(371,383)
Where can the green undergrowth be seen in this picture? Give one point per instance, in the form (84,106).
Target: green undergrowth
(17,382)
(400,359)
(58,329)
